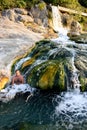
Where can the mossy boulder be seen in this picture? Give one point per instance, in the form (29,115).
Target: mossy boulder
(48,75)
(45,66)
(50,65)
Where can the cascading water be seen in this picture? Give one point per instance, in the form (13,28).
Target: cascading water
(70,111)
(48,110)
(64,39)
(75,83)
(57,24)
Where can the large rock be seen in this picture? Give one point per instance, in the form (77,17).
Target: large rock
(10,14)
(66,19)
(75,28)
(4,78)
(46,67)
(40,14)
(15,40)
(17,15)
(21,11)
(54,66)
(24,19)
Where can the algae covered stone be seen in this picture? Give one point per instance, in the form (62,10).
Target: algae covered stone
(51,65)
(48,75)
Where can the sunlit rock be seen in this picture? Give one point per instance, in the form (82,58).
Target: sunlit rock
(75,29)
(3,81)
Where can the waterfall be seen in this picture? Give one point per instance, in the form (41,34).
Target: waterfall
(57,21)
(58,26)
(64,40)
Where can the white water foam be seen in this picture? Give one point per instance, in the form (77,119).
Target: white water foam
(10,92)
(73,102)
(71,109)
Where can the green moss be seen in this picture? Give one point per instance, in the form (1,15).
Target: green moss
(46,80)
(82,81)
(51,73)
(61,81)
(48,75)
(81,19)
(21,4)
(42,5)
(60,78)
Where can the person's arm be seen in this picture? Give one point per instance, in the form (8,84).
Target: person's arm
(12,82)
(22,80)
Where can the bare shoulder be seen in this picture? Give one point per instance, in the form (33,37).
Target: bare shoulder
(21,76)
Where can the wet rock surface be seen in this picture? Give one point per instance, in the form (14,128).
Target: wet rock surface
(57,66)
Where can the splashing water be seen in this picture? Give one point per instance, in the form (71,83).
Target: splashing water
(46,111)
(71,110)
(10,92)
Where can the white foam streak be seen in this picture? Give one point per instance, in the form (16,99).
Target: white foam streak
(21,62)
(37,62)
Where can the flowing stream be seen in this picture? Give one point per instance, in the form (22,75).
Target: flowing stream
(46,110)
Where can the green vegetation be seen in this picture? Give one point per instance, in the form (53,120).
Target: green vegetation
(82,81)
(75,4)
(41,5)
(6,4)
(83,2)
(81,19)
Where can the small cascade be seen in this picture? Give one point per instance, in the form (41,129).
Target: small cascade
(57,23)
(58,26)
(38,62)
(74,81)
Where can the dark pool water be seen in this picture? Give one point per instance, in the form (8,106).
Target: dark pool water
(45,111)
